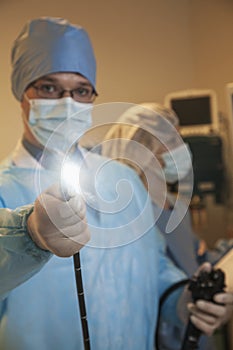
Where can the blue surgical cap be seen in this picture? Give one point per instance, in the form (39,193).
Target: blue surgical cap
(50,45)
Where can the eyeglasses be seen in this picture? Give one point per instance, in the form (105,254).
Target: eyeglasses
(85,94)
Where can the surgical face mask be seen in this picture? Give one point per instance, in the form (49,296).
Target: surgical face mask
(178,163)
(57,124)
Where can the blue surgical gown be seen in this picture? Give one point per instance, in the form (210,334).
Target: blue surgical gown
(123,275)
(181,236)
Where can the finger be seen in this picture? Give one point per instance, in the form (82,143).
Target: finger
(205,317)
(204,327)
(78,233)
(70,191)
(75,207)
(65,248)
(224,298)
(78,205)
(206,266)
(210,308)
(55,191)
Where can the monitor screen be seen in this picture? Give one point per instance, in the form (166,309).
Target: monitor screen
(229,94)
(196,109)
(193,111)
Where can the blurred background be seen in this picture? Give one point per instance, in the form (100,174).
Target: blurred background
(146,50)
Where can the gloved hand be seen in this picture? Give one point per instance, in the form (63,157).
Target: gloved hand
(58,224)
(206,315)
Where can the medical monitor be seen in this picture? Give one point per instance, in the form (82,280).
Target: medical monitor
(229,95)
(196,109)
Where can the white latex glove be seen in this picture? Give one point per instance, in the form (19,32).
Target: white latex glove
(57,224)
(205,315)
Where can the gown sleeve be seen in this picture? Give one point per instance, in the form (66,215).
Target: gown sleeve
(20,258)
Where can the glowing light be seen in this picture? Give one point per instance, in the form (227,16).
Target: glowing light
(70,178)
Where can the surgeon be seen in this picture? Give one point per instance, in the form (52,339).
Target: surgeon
(146,137)
(165,160)
(125,270)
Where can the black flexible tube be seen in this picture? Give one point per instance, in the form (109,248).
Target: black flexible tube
(161,302)
(81,299)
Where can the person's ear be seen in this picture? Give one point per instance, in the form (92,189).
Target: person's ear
(25,107)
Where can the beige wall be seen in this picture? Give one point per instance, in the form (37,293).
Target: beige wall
(211,23)
(142,47)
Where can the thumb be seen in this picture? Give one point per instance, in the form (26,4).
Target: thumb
(206,266)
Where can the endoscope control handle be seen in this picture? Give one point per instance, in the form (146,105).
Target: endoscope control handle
(204,287)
